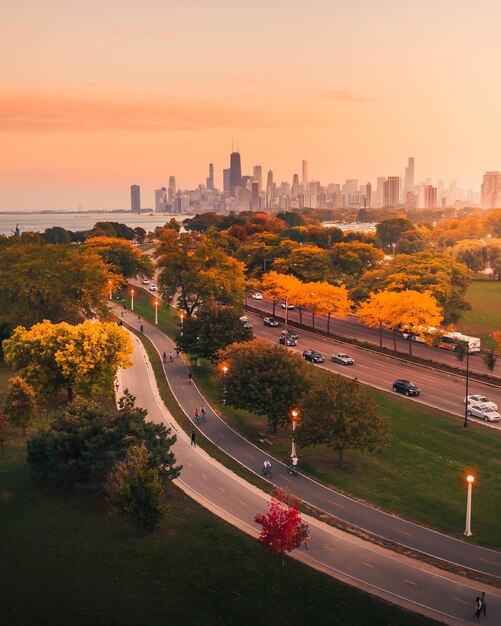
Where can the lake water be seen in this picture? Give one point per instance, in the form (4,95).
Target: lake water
(38,222)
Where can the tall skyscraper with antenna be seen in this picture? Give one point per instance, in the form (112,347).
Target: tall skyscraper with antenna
(409,174)
(305,175)
(235,171)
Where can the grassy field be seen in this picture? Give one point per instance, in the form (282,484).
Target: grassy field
(67,561)
(421,473)
(485,315)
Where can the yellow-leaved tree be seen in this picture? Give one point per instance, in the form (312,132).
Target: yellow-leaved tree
(278,287)
(327,299)
(83,358)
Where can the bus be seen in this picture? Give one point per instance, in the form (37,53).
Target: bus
(450,340)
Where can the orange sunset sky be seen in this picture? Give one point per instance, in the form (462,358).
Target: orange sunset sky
(97,95)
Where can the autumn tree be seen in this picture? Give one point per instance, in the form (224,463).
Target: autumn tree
(263,378)
(135,490)
(82,358)
(374,312)
(493,254)
(282,527)
(195,271)
(19,403)
(122,256)
(278,287)
(390,230)
(52,282)
(82,445)
(353,258)
(4,430)
(214,328)
(308,263)
(490,359)
(472,253)
(324,298)
(337,414)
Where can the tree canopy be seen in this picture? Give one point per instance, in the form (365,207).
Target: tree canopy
(122,256)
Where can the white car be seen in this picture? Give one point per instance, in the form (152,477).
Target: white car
(153,287)
(146,281)
(257,296)
(484,412)
(481,400)
(290,307)
(343,359)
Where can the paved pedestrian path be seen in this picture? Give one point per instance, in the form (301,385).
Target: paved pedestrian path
(342,507)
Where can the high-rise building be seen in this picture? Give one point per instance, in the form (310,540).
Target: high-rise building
(490,191)
(161,199)
(255,196)
(270,189)
(391,191)
(409,174)
(257,174)
(210,178)
(380,192)
(368,196)
(135,199)
(427,198)
(305,175)
(235,172)
(172,188)
(226,181)
(295,186)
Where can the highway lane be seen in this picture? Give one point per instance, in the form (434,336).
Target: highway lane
(352,328)
(323,498)
(441,390)
(398,579)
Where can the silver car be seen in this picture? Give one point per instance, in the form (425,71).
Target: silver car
(481,400)
(484,413)
(343,359)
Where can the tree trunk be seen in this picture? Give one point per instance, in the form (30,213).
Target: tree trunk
(313,320)
(328,323)
(274,305)
(410,345)
(394,340)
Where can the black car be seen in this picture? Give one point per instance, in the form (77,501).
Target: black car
(313,355)
(291,341)
(405,386)
(270,321)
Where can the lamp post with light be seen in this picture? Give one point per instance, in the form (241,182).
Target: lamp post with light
(132,299)
(182,320)
(467,531)
(295,419)
(225,371)
(109,285)
(156,311)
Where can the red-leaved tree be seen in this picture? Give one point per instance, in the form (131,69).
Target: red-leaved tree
(283,529)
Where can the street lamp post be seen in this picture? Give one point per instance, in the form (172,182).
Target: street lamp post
(465,423)
(156,311)
(182,320)
(225,371)
(132,299)
(109,284)
(295,418)
(198,352)
(286,320)
(469,479)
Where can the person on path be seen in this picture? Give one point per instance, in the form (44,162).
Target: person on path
(196,418)
(142,328)
(190,376)
(138,318)
(482,600)
(164,358)
(117,385)
(202,413)
(177,352)
(307,537)
(193,436)
(478,607)
(171,357)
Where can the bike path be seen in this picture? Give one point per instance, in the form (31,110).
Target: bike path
(342,507)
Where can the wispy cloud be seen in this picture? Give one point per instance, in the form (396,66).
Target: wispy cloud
(60,114)
(346,96)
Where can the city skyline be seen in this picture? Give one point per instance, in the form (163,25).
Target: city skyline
(87,107)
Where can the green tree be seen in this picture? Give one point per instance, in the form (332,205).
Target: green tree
(19,403)
(57,234)
(263,378)
(308,263)
(389,231)
(135,490)
(337,414)
(82,358)
(490,359)
(195,271)
(354,258)
(52,282)
(4,430)
(81,445)
(472,253)
(214,328)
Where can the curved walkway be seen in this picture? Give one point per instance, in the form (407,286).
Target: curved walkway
(326,499)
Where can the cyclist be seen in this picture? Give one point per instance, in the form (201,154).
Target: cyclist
(177,352)
(266,468)
(293,465)
(142,328)
(171,356)
(190,376)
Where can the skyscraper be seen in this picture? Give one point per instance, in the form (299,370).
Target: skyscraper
(135,199)
(235,172)
(226,181)
(210,178)
(409,174)
(161,199)
(270,191)
(368,196)
(255,196)
(490,190)
(257,175)
(391,191)
(172,187)
(295,186)
(305,175)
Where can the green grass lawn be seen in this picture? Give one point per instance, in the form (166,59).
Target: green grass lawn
(485,315)
(421,473)
(67,561)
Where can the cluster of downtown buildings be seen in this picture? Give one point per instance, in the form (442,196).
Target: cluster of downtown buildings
(253,192)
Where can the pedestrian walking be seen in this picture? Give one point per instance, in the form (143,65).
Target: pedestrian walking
(196,418)
(190,376)
(138,318)
(307,537)
(177,352)
(478,607)
(193,436)
(117,385)
(142,328)
(482,601)
(164,358)
(202,413)
(171,357)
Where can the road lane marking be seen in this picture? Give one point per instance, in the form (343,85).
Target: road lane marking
(403,532)
(204,476)
(486,560)
(410,582)
(222,435)
(336,504)
(460,600)
(221,489)
(189,464)
(251,456)
(329,548)
(242,503)
(366,564)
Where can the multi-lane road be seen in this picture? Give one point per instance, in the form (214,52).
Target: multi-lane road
(439,389)
(399,579)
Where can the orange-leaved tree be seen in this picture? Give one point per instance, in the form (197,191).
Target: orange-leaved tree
(278,287)
(375,311)
(282,527)
(327,299)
